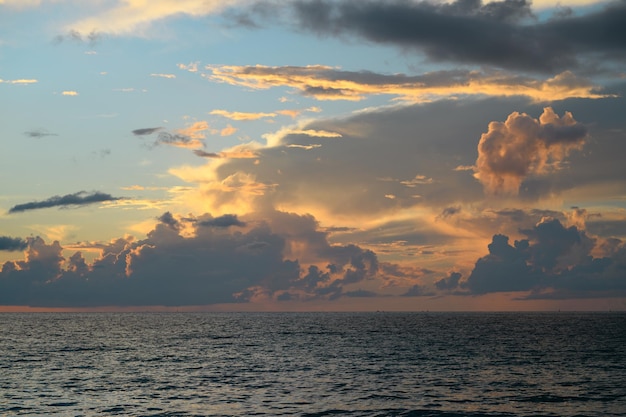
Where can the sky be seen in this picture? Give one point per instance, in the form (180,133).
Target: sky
(312,155)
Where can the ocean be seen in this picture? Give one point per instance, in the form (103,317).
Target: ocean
(313,364)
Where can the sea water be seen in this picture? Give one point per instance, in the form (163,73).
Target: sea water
(313,364)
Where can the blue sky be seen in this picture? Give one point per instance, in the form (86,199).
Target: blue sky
(307,155)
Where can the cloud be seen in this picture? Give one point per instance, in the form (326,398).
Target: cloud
(189,137)
(69,93)
(170,76)
(450,282)
(225,260)
(523,146)
(92,37)
(237,152)
(134,17)
(12,243)
(335,165)
(329,83)
(553,262)
(195,131)
(80,198)
(146,131)
(228,131)
(178,140)
(39,133)
(191,67)
(503,34)
(418,291)
(22,81)
(236,115)
(204,154)
(226,220)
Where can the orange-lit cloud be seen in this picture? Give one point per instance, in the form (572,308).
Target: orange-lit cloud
(228,131)
(521,146)
(195,131)
(69,93)
(236,115)
(237,152)
(328,83)
(134,17)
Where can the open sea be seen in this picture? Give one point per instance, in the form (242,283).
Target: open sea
(313,364)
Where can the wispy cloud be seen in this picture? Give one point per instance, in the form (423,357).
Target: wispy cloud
(195,131)
(178,140)
(236,115)
(69,93)
(135,17)
(163,75)
(328,83)
(39,133)
(22,81)
(146,131)
(189,137)
(72,35)
(235,153)
(78,199)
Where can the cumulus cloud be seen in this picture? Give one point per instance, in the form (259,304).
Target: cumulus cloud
(522,146)
(226,220)
(78,199)
(329,83)
(224,260)
(504,34)
(553,262)
(450,282)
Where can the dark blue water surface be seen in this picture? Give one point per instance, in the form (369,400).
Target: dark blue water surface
(313,364)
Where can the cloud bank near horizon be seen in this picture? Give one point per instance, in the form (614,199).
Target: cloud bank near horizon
(286,257)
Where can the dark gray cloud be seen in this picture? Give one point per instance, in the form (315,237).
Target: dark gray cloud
(450,282)
(554,262)
(12,243)
(418,291)
(38,133)
(607,227)
(146,131)
(80,198)
(226,220)
(169,220)
(212,265)
(92,38)
(503,34)
(178,140)
(204,154)
(360,294)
